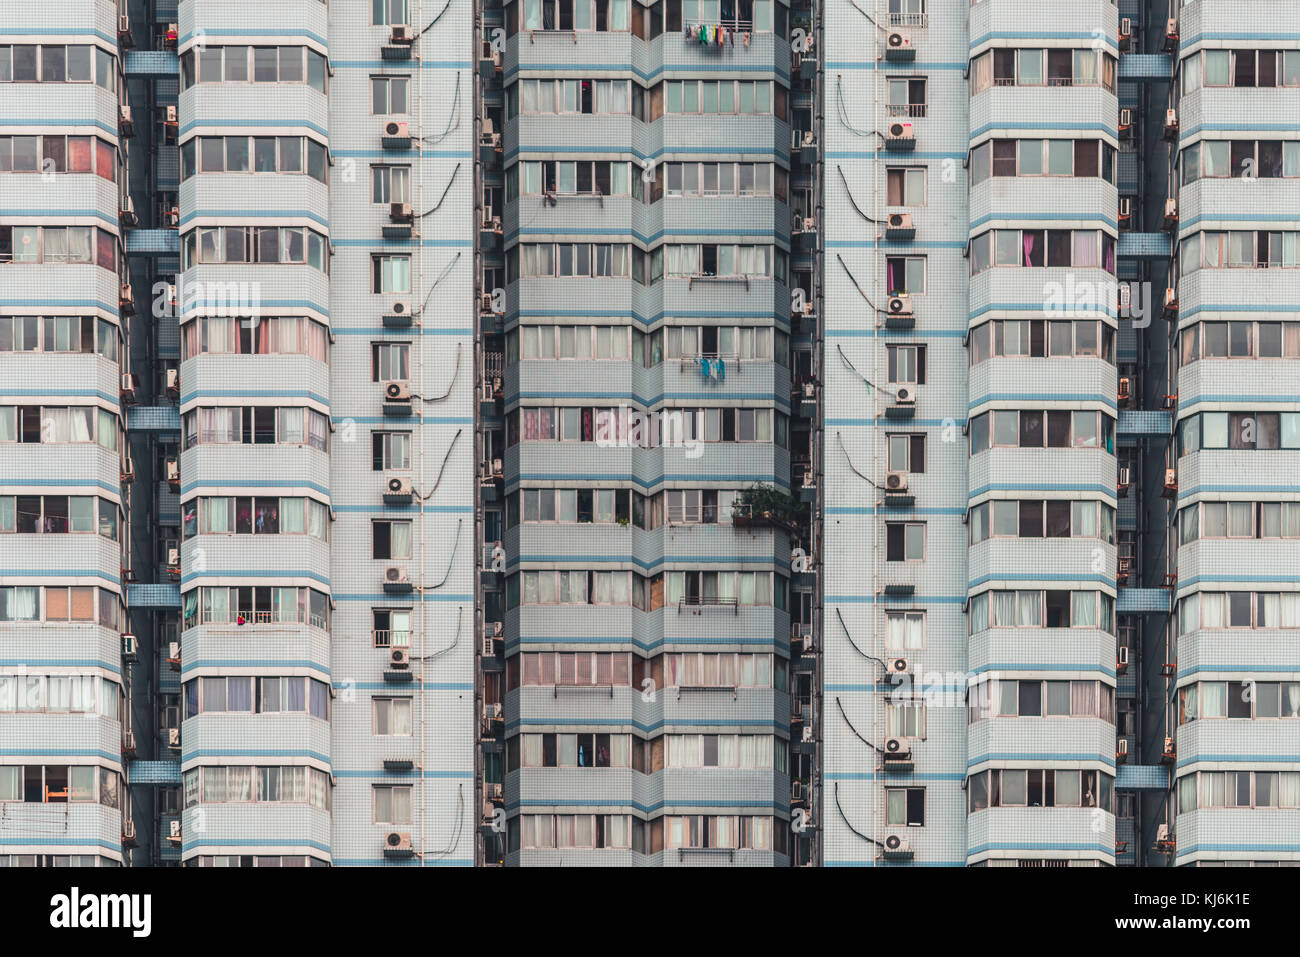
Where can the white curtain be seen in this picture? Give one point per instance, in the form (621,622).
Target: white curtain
(1004,608)
(1290,610)
(1214,699)
(1029,608)
(1212,608)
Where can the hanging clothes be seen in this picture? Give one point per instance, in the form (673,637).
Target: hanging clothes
(721,369)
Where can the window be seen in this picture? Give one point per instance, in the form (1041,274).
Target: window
(905,186)
(390,184)
(390,361)
(389,95)
(391,627)
(391,274)
(905,274)
(905,630)
(906,364)
(390,450)
(254,244)
(392,804)
(392,716)
(906,452)
(905,541)
(390,539)
(388,12)
(905,807)
(904,719)
(905,96)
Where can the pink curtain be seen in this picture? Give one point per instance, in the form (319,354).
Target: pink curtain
(1029,247)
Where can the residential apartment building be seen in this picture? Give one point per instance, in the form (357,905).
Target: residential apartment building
(250,348)
(683,433)
(642,571)
(1041,282)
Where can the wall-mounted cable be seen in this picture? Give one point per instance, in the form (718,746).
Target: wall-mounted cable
(849,191)
(848,823)
(443,467)
(854,280)
(454,372)
(861,474)
(843,111)
(452,122)
(452,558)
(448,190)
(855,731)
(441,276)
(840,348)
(849,635)
(460,613)
(444,10)
(864,13)
(460,826)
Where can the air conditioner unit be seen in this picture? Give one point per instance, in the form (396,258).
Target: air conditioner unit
(810,390)
(397,129)
(1162,834)
(809,139)
(1171,123)
(497,467)
(896,845)
(494,790)
(1169,745)
(498,628)
(1125,387)
(896,482)
(401,34)
(1121,747)
(899,41)
(899,130)
(130,647)
(129,384)
(128,832)
(173,472)
(397,841)
(396,575)
(125,118)
(1123,296)
(128,211)
(173,737)
(171,116)
(399,486)
(900,221)
(1171,478)
(399,658)
(128,742)
(897,749)
(400,212)
(905,395)
(489,647)
(398,390)
(899,666)
(807,734)
(1124,476)
(173,557)
(899,305)
(1171,210)
(1125,28)
(1126,118)
(174,651)
(796,140)
(1125,208)
(172,379)
(1171,298)
(174,832)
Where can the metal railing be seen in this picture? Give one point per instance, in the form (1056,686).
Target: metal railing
(905,109)
(909,19)
(703,601)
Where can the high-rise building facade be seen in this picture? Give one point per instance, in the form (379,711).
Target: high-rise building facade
(687,432)
(261,612)
(1026,637)
(637,433)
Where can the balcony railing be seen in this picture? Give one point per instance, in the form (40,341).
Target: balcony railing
(905,109)
(706,601)
(909,19)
